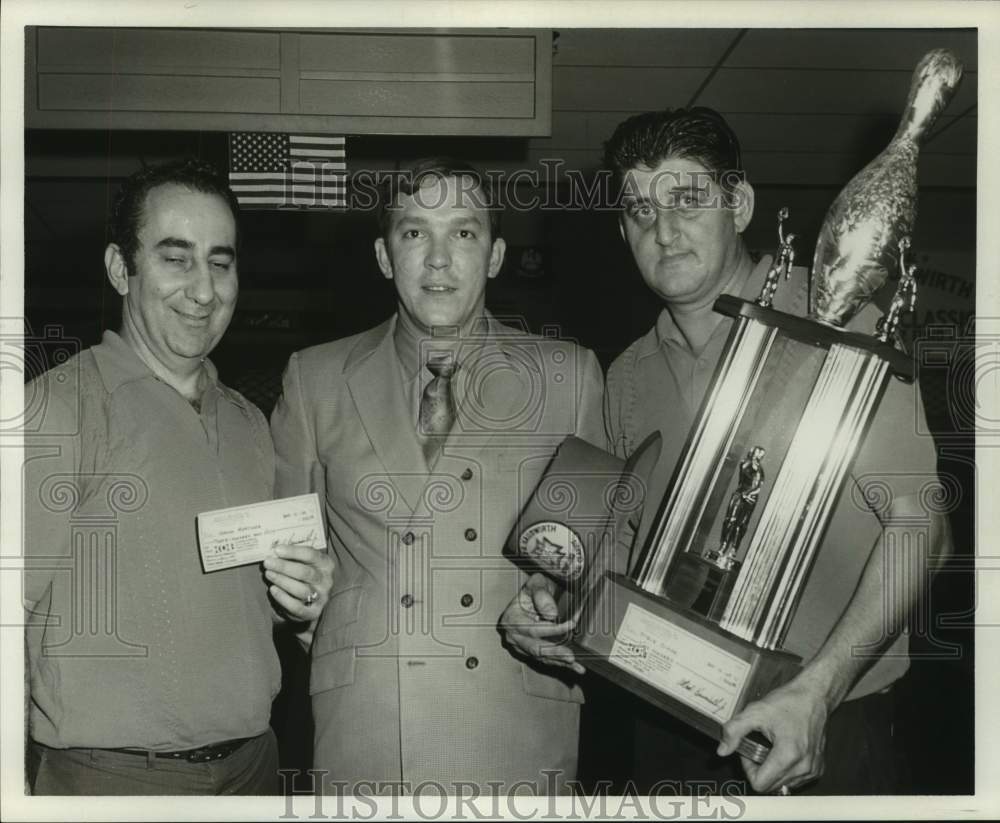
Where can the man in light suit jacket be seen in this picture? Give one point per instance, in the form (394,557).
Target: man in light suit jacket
(424,437)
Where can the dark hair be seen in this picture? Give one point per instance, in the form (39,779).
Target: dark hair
(127,212)
(698,133)
(409,179)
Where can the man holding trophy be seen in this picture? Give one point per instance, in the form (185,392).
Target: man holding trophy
(829,724)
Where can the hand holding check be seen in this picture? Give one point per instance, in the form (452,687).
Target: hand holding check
(301,578)
(287,536)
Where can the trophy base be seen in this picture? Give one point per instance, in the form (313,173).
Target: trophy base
(677,661)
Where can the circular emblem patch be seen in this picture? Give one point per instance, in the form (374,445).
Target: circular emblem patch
(555,548)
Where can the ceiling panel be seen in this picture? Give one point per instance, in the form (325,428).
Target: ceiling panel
(866,135)
(623,89)
(793,168)
(577,159)
(861,134)
(959,138)
(642,47)
(850,49)
(580,129)
(813,132)
(819,91)
(779,167)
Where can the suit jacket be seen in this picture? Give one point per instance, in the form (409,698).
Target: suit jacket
(410,680)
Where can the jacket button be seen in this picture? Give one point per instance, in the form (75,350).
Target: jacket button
(406,600)
(408,538)
(471,662)
(466,600)
(470,534)
(467,474)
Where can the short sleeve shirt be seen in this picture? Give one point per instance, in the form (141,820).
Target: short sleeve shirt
(131,643)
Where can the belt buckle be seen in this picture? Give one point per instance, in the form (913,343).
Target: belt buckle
(216,751)
(195,756)
(206,754)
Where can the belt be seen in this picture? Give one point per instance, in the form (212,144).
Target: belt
(203,754)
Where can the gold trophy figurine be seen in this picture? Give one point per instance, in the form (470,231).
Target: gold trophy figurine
(741,505)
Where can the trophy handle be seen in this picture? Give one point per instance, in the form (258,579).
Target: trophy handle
(754,747)
(905,298)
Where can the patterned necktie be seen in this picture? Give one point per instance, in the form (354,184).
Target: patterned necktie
(437,407)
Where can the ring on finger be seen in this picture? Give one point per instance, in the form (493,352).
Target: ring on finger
(312,597)
(784,791)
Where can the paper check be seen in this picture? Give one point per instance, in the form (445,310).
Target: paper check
(246,534)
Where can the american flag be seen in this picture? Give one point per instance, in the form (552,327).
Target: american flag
(304,171)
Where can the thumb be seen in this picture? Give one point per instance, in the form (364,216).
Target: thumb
(545,605)
(732,734)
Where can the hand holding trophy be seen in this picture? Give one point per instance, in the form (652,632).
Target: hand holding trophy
(697,624)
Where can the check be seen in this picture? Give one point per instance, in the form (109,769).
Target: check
(679,663)
(246,534)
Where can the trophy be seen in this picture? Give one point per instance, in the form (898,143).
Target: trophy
(696,626)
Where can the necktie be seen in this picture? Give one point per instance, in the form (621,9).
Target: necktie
(437,407)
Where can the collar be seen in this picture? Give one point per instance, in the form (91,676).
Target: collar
(409,346)
(118,364)
(665,331)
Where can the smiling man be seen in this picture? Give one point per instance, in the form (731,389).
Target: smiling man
(148,676)
(425,436)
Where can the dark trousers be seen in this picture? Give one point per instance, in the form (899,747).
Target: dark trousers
(632,744)
(251,769)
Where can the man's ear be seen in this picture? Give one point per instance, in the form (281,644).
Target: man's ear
(117,268)
(383,258)
(496,257)
(743,202)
